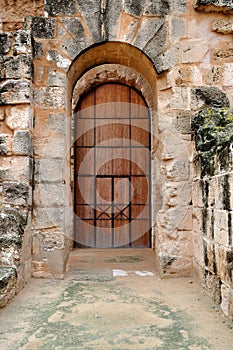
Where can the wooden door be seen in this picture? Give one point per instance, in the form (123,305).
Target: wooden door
(112,169)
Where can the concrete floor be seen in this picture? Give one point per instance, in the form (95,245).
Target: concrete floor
(113,299)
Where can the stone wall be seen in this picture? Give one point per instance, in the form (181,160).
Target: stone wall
(16,161)
(213,202)
(181,53)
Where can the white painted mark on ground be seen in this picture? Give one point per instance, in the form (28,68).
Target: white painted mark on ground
(123,273)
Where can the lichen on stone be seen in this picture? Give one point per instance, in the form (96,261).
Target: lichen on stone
(213,129)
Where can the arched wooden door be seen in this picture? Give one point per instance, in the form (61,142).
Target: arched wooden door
(112,168)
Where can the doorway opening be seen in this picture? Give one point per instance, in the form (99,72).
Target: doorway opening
(112,198)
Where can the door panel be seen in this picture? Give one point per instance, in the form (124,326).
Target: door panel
(112,169)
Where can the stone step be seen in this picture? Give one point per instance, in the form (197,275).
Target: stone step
(8,279)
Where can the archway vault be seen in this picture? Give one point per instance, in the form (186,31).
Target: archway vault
(112,62)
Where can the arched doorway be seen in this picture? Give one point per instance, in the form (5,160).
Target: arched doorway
(112,168)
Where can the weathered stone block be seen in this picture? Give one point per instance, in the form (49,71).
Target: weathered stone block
(12,224)
(19,117)
(193,50)
(148,29)
(37,49)
(180,98)
(227,300)
(228,74)
(19,67)
(8,280)
(16,92)
(5,43)
(60,7)
(15,193)
(22,143)
(167,60)
(179,7)
(214,5)
(17,168)
(224,26)
(45,218)
(91,11)
(50,146)
(156,46)
(22,42)
(51,97)
(56,121)
(43,28)
(205,96)
(56,78)
(178,28)
(60,61)
(212,285)
(49,170)
(72,47)
(4,148)
(49,195)
(182,122)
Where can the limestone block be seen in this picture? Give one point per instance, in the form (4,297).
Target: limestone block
(148,29)
(91,11)
(60,61)
(19,117)
(22,143)
(193,50)
(198,249)
(221,233)
(214,76)
(37,49)
(4,146)
(167,59)
(224,26)
(43,28)
(223,192)
(180,98)
(22,42)
(45,218)
(50,147)
(177,170)
(224,6)
(19,67)
(176,193)
(179,7)
(178,28)
(49,170)
(227,300)
(16,168)
(5,43)
(212,286)
(182,122)
(56,78)
(224,53)
(155,48)
(49,195)
(223,267)
(51,97)
(56,121)
(72,47)
(16,92)
(227,74)
(197,197)
(61,7)
(15,193)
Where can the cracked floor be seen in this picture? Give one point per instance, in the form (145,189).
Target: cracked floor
(113,299)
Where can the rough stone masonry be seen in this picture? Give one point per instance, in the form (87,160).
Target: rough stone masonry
(179,55)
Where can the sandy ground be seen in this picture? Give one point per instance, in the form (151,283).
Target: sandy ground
(113,299)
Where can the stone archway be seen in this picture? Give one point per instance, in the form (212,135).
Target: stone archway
(114,66)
